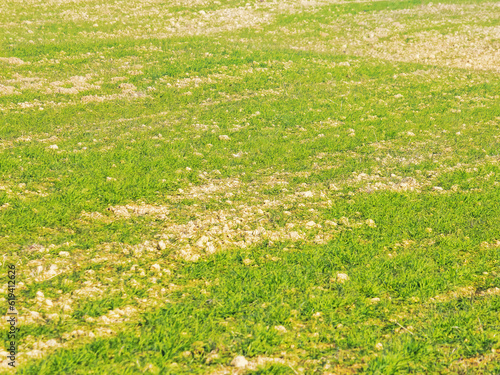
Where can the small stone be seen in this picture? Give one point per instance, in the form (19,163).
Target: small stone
(375,300)
(280,329)
(342,278)
(239,362)
(155,268)
(64,254)
(162,245)
(35,315)
(53,147)
(370,223)
(224,137)
(53,316)
(379,346)
(35,354)
(202,241)
(210,249)
(51,342)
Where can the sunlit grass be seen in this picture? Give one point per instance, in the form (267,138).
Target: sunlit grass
(185,183)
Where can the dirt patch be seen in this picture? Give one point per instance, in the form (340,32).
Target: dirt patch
(204,23)
(131,209)
(12,60)
(77,83)
(443,35)
(8,90)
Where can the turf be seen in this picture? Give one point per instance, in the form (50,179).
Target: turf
(311,185)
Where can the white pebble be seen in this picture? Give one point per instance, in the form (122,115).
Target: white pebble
(239,362)
(342,277)
(155,268)
(370,223)
(280,329)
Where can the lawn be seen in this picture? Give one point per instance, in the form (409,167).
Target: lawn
(250,187)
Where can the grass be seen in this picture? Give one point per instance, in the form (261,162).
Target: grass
(312,186)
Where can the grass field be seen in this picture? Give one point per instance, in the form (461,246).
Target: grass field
(312,185)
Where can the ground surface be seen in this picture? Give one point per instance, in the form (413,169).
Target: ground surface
(313,185)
